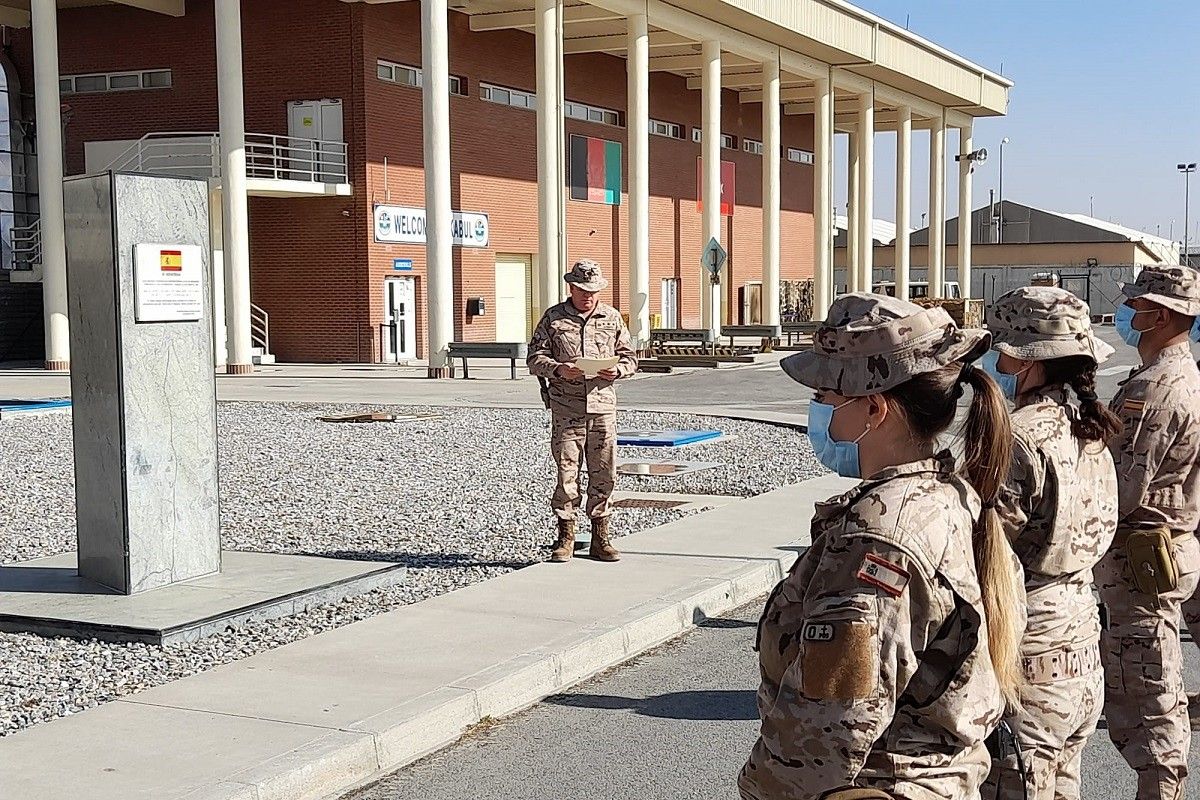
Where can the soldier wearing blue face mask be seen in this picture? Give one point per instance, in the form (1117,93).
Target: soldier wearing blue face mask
(1059,508)
(1154,564)
(887,653)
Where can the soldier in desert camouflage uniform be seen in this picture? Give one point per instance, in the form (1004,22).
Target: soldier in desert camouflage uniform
(1059,508)
(1158,473)
(583,410)
(888,650)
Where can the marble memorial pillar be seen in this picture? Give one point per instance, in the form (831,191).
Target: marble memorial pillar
(142,381)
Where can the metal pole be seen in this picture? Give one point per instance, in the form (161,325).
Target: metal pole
(1000,224)
(1187,174)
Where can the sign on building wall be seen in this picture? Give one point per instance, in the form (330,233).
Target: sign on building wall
(595,170)
(167,283)
(727,172)
(405,225)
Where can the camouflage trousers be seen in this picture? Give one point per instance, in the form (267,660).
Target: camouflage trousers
(1145,701)
(1058,715)
(1191,613)
(573,440)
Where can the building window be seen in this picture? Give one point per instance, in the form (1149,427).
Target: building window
(405,75)
(581,111)
(728,140)
(115,81)
(507,97)
(668,129)
(752,146)
(799,156)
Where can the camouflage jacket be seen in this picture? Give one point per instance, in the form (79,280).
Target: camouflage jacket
(1059,507)
(873,650)
(1158,455)
(563,336)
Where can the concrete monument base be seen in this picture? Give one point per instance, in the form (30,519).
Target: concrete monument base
(47,596)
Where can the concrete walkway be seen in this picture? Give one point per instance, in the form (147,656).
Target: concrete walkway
(322,715)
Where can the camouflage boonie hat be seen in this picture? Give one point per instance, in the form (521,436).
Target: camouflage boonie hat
(586,275)
(1037,323)
(1176,288)
(871,343)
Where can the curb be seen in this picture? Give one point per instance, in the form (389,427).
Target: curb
(349,759)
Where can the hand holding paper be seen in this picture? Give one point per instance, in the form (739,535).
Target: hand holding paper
(592,367)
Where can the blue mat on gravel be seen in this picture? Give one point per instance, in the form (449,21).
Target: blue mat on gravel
(664,438)
(18,406)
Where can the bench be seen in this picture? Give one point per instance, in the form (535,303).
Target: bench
(767,334)
(795,330)
(512,351)
(668,339)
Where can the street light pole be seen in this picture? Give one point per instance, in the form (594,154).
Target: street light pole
(1000,225)
(1187,170)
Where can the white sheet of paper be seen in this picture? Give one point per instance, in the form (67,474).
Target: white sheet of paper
(593,366)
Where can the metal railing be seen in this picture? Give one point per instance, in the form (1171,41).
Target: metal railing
(260,328)
(26,243)
(268,156)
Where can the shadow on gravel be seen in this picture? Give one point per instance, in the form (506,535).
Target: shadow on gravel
(423,560)
(730,704)
(723,622)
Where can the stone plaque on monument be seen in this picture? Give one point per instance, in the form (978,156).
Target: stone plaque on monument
(142,379)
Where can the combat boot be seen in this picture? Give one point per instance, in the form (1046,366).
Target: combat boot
(602,548)
(565,546)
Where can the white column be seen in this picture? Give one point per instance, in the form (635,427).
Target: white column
(637,120)
(236,239)
(937,207)
(903,198)
(439,263)
(710,57)
(853,229)
(44,19)
(964,211)
(548,147)
(823,199)
(216,226)
(866,191)
(770,192)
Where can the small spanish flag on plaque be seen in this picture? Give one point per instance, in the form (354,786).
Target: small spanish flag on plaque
(170,260)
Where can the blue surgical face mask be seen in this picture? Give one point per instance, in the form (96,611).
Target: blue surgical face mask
(1123,320)
(1008,383)
(841,457)
(1194,335)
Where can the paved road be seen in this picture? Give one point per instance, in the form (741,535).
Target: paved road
(676,724)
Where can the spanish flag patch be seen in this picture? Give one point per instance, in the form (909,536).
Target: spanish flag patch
(884,574)
(1134,406)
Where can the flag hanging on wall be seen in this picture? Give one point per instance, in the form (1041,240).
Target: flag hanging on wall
(595,171)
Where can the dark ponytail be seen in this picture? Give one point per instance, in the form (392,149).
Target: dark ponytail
(929,403)
(1095,423)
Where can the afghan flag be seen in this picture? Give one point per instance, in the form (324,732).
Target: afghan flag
(595,170)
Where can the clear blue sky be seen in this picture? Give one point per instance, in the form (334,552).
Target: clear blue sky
(1106,103)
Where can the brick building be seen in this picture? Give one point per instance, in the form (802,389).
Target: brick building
(333,106)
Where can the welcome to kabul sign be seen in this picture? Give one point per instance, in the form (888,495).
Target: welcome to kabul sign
(405,225)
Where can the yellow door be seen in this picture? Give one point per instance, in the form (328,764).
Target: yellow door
(514,304)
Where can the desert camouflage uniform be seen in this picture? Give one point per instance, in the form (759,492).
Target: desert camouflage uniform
(584,412)
(1059,508)
(1158,470)
(873,650)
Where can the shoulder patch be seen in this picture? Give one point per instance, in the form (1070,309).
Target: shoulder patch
(1133,406)
(880,572)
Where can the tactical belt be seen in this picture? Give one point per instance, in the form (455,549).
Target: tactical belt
(1061,664)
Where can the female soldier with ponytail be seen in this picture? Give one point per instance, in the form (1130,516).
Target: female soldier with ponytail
(1059,508)
(888,651)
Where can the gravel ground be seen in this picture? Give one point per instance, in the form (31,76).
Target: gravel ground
(460,498)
